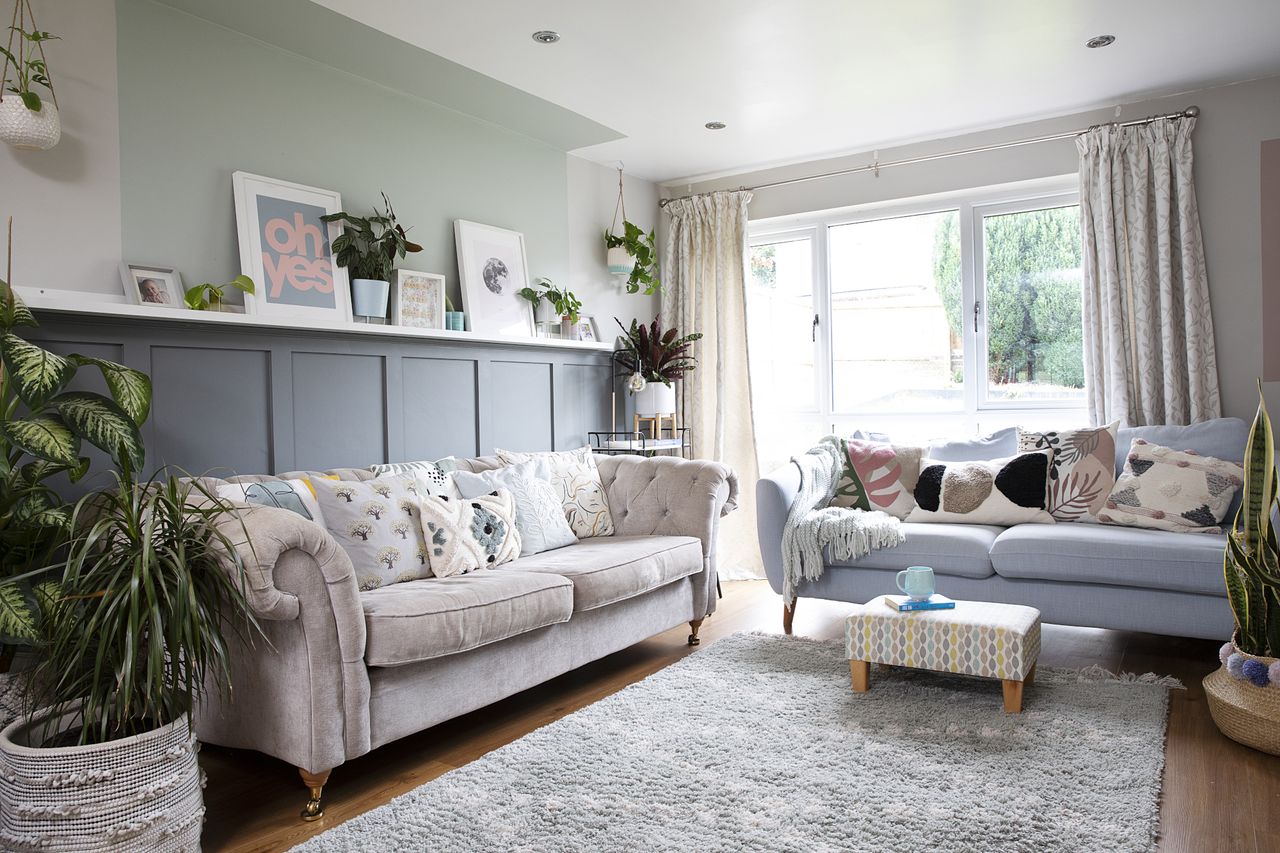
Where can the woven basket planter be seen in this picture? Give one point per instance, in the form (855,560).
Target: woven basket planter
(30,131)
(1243,711)
(136,793)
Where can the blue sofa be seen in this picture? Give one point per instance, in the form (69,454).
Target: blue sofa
(1091,575)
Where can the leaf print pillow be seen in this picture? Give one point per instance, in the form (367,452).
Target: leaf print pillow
(877,476)
(576,479)
(1082,471)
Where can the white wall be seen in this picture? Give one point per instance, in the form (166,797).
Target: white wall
(65,202)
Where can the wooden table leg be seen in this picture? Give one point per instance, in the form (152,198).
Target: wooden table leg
(1030,676)
(1012,696)
(860,674)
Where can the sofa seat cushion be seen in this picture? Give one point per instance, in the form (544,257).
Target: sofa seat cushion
(434,617)
(1122,556)
(961,550)
(608,569)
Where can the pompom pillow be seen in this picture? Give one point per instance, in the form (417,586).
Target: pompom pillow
(377,523)
(1083,468)
(1177,490)
(875,475)
(1000,491)
(539,516)
(465,535)
(576,479)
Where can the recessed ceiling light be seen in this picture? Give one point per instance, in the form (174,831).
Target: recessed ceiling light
(1099,41)
(546,37)
(714,125)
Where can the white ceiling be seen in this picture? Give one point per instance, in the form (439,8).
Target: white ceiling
(801,79)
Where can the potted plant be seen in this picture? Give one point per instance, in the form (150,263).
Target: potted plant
(632,253)
(150,584)
(1244,694)
(28,121)
(368,247)
(652,360)
(552,304)
(208,296)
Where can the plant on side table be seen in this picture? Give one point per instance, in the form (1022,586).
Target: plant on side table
(368,248)
(150,584)
(1244,694)
(652,360)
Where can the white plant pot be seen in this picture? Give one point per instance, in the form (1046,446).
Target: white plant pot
(369,297)
(655,399)
(545,312)
(136,793)
(22,128)
(620,263)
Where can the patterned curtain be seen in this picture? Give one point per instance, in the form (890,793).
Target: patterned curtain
(705,278)
(1148,330)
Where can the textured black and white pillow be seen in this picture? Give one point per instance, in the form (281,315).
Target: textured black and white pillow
(540,517)
(462,536)
(1008,491)
(433,479)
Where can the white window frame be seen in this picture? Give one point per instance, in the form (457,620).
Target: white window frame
(978,412)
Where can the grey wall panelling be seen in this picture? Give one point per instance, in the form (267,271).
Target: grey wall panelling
(254,400)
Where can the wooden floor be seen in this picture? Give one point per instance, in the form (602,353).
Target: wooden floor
(1218,795)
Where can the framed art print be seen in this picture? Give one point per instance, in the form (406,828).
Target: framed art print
(585,329)
(491,262)
(287,250)
(152,285)
(419,300)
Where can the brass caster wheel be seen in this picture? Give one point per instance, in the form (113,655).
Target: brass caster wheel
(694,640)
(313,810)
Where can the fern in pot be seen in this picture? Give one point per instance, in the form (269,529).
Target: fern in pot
(134,630)
(368,248)
(1244,694)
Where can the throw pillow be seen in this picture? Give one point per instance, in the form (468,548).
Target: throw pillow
(539,516)
(377,523)
(577,481)
(997,445)
(875,475)
(1000,491)
(1177,490)
(294,495)
(464,535)
(1083,469)
(433,479)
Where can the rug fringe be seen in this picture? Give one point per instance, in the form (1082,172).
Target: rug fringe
(1095,672)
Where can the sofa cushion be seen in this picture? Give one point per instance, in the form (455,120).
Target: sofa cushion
(960,550)
(607,569)
(434,617)
(1097,553)
(1221,438)
(998,444)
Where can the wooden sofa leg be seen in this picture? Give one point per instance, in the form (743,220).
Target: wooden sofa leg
(788,613)
(694,625)
(315,784)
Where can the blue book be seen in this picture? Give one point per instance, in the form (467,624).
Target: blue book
(902,604)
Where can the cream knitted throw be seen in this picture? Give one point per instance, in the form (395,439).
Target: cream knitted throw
(812,527)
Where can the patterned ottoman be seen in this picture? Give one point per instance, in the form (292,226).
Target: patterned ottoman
(976,638)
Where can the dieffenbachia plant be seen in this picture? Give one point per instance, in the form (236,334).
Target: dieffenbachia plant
(43,428)
(1252,562)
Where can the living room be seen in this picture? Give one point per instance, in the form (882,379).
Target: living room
(558,426)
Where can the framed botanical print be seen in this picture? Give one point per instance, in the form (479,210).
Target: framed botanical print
(492,265)
(287,249)
(419,300)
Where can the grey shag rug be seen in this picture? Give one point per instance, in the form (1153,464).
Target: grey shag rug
(757,742)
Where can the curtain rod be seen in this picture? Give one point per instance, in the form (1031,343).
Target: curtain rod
(1189,112)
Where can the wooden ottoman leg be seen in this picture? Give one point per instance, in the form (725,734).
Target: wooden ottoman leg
(1012,696)
(788,613)
(1030,677)
(860,675)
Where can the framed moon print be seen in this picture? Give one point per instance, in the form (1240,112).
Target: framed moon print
(492,265)
(287,250)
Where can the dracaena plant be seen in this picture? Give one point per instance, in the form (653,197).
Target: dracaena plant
(656,355)
(640,246)
(1252,563)
(370,245)
(43,430)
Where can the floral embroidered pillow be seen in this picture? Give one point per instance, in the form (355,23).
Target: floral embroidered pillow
(377,523)
(1082,471)
(462,536)
(1177,490)
(877,476)
(576,479)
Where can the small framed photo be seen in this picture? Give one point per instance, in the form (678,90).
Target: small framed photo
(288,251)
(419,300)
(585,329)
(152,285)
(491,262)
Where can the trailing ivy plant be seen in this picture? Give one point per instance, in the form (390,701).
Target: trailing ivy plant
(370,245)
(640,246)
(210,296)
(30,71)
(565,303)
(1252,563)
(43,428)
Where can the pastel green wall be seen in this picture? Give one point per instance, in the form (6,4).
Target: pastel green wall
(199,101)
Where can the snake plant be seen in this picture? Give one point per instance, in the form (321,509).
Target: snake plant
(1252,562)
(43,428)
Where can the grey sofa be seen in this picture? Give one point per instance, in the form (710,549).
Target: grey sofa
(1091,575)
(348,671)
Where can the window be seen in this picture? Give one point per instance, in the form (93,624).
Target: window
(918,318)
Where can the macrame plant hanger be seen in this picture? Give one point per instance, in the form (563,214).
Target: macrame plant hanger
(621,206)
(21,126)
(618,259)
(23,16)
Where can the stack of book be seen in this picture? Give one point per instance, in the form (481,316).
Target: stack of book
(903,604)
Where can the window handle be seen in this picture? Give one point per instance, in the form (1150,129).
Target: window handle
(814,329)
(977,309)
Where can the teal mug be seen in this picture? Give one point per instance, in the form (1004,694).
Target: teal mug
(916,582)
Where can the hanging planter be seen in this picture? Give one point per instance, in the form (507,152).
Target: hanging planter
(631,253)
(27,120)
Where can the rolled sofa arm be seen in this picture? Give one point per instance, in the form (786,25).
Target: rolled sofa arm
(303,694)
(775,493)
